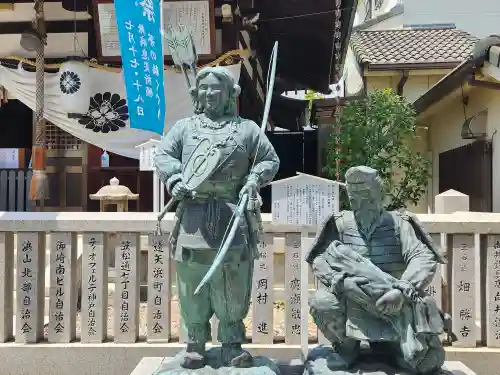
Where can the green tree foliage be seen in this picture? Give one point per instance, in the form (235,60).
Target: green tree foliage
(380,132)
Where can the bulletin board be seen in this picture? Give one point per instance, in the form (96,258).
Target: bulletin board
(197,15)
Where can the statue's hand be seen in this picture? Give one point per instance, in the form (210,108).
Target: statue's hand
(391,302)
(193,93)
(180,191)
(252,190)
(350,286)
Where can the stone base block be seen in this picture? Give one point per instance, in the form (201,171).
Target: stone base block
(320,368)
(368,363)
(172,366)
(152,365)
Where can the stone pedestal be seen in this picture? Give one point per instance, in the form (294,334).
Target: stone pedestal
(369,362)
(450,368)
(172,366)
(152,365)
(450,202)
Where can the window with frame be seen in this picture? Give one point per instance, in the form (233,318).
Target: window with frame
(58,139)
(368,9)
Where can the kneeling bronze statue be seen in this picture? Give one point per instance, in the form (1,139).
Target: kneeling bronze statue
(375,266)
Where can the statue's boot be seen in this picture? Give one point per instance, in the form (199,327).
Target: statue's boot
(235,356)
(345,356)
(194,358)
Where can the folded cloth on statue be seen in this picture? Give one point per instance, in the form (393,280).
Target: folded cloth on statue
(346,261)
(419,315)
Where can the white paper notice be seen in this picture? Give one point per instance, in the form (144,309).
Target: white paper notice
(110,45)
(146,159)
(195,15)
(303,200)
(9,158)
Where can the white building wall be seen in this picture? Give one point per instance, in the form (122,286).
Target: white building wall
(480,18)
(445,119)
(386,6)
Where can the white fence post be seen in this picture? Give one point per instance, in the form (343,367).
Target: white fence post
(30,288)
(94,288)
(159,289)
(6,285)
(62,311)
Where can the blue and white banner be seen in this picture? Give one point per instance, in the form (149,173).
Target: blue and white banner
(139,31)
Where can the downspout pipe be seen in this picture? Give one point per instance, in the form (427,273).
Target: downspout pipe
(362,69)
(402,82)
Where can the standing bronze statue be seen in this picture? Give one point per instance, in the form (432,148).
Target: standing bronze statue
(375,266)
(208,163)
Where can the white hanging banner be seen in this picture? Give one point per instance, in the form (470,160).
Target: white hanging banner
(106,123)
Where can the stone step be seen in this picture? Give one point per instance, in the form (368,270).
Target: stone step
(149,365)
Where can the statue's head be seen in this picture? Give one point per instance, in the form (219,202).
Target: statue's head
(216,91)
(365,189)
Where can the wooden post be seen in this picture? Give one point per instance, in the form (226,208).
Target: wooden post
(156,192)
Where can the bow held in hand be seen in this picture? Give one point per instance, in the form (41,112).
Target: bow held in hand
(254,201)
(193,93)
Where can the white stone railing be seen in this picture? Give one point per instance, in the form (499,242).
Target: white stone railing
(36,306)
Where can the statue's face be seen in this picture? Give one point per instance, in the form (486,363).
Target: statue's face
(212,93)
(364,197)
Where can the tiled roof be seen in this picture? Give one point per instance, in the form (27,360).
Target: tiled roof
(412,46)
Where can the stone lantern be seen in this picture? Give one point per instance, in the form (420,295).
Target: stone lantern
(114,194)
(111,195)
